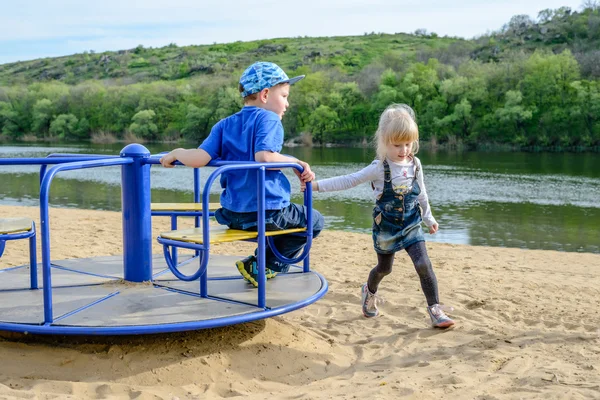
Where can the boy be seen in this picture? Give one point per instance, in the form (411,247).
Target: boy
(256,134)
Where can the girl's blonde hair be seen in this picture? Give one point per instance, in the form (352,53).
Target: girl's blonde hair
(396,124)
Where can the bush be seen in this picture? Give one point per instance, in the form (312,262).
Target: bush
(64,126)
(143,124)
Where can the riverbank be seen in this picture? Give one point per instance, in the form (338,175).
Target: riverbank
(527,327)
(306,141)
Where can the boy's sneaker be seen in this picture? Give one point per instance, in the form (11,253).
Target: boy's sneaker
(248,267)
(369,302)
(438,318)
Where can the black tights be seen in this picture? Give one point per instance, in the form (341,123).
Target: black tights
(419,257)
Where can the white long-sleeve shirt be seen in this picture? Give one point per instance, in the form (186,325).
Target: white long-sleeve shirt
(402,175)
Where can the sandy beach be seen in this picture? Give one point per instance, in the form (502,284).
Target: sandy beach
(527,328)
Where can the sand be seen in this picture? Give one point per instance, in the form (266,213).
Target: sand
(527,327)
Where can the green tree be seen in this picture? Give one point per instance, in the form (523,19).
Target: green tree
(42,115)
(586,111)
(142,124)
(9,123)
(64,126)
(304,100)
(545,15)
(548,78)
(322,123)
(228,102)
(547,87)
(459,122)
(196,122)
(83,128)
(347,102)
(513,116)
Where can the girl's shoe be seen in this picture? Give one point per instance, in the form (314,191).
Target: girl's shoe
(438,318)
(369,302)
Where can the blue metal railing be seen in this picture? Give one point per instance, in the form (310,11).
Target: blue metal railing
(136,161)
(68,157)
(45,221)
(225,166)
(31,235)
(61,162)
(174,214)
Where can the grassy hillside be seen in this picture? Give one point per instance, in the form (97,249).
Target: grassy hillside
(553,30)
(533,84)
(349,54)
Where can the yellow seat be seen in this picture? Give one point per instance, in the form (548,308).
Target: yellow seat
(182,206)
(15,225)
(220,234)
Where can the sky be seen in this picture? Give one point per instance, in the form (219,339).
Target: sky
(34,29)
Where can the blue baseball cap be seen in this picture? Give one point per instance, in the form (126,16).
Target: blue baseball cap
(262,75)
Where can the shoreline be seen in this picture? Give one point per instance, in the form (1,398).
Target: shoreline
(366,231)
(527,327)
(430,145)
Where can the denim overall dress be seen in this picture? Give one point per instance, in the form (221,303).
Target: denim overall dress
(397,215)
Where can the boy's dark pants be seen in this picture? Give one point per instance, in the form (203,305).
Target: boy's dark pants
(293,216)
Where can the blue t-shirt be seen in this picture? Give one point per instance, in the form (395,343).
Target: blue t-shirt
(237,138)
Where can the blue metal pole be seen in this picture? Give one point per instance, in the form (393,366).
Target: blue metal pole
(262,279)
(45,221)
(137,222)
(197,192)
(33,260)
(306,263)
(204,257)
(309,222)
(174,228)
(45,231)
(197,198)
(42,172)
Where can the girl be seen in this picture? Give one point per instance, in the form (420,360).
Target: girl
(401,204)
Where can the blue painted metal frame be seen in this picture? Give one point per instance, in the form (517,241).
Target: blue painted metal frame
(137,222)
(45,221)
(165,328)
(30,234)
(135,162)
(223,166)
(173,214)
